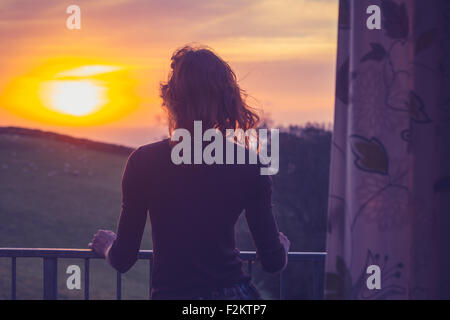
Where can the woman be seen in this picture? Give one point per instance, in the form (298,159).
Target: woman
(193,208)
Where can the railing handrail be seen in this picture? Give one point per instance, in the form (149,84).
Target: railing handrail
(51,256)
(143,254)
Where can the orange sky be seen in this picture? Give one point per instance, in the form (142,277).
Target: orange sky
(283,52)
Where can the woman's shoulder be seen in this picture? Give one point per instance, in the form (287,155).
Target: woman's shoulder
(151,151)
(153,147)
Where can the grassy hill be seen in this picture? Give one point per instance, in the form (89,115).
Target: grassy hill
(56,191)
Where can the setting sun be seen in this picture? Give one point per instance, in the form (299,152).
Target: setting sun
(74,97)
(73,92)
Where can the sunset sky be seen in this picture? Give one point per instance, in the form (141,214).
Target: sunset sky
(283,52)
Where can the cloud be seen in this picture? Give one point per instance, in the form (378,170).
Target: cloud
(175,19)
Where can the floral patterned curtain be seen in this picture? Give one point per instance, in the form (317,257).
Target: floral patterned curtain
(389,199)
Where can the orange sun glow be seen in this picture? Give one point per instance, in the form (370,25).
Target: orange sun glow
(76,93)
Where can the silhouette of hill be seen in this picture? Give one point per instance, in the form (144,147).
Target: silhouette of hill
(81,142)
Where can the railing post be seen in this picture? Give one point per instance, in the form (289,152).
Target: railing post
(283,285)
(119,286)
(321,276)
(86,279)
(13,278)
(150,261)
(50,278)
(315,285)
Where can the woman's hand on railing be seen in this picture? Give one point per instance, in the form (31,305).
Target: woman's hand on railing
(285,242)
(102,241)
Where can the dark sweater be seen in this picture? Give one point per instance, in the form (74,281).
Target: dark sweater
(193,210)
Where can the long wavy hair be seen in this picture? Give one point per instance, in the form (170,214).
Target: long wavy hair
(202,86)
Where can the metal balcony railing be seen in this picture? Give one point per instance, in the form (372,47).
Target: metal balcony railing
(50,258)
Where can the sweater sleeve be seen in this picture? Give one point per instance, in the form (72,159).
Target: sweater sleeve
(123,253)
(263,227)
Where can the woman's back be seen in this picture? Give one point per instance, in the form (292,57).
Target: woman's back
(193,210)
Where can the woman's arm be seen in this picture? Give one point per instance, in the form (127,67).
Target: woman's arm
(121,251)
(271,245)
